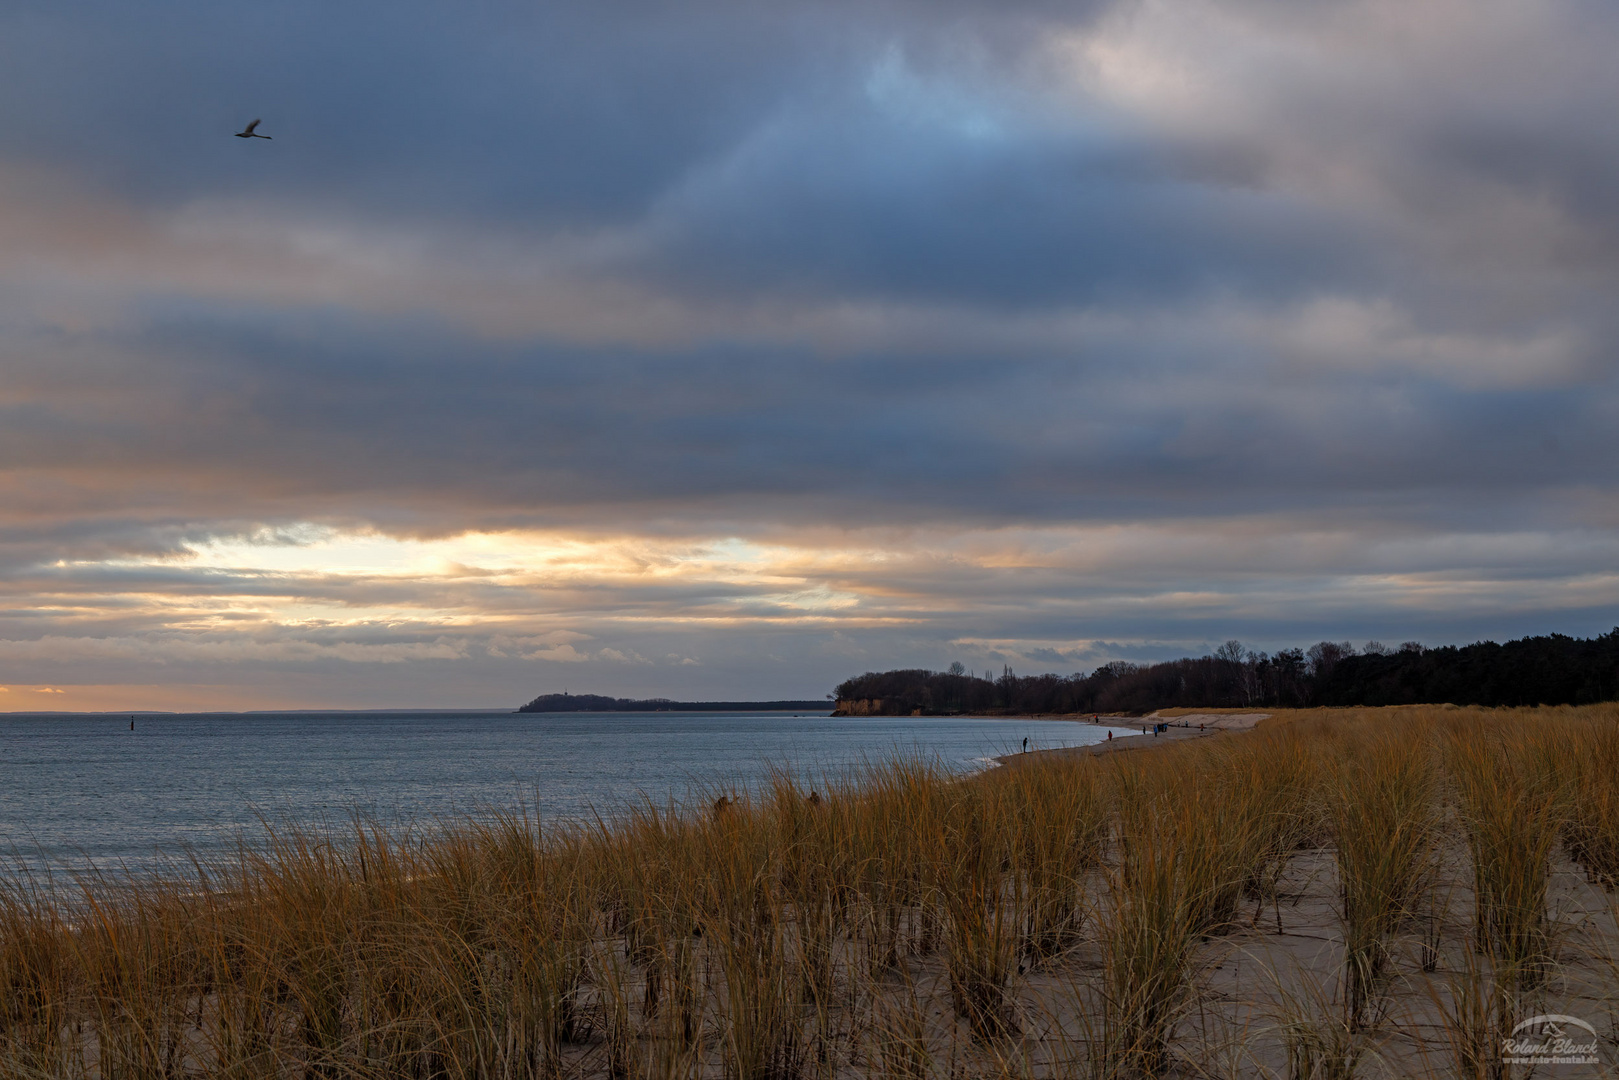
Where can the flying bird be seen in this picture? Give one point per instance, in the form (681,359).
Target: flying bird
(247,132)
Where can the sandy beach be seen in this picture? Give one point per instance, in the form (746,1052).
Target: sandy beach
(1182,726)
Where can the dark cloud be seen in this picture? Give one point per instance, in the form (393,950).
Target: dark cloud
(1317,296)
(557,114)
(242,413)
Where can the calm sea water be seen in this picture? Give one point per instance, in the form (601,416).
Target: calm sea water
(77,790)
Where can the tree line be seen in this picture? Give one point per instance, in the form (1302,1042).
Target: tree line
(1550,670)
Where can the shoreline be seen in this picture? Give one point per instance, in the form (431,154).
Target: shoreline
(1180,729)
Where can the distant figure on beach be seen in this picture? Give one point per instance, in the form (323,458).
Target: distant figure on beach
(131,723)
(1109,734)
(1025,745)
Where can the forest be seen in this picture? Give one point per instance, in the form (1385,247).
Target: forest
(1551,670)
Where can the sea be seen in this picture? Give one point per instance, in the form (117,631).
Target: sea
(85,793)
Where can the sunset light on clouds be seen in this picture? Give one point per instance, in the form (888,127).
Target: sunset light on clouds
(713,350)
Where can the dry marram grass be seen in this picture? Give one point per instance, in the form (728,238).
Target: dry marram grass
(1353,892)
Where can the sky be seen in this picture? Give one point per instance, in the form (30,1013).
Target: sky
(725,350)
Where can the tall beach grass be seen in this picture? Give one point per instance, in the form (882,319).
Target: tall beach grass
(1058,918)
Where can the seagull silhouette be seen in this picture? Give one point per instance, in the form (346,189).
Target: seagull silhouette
(247,132)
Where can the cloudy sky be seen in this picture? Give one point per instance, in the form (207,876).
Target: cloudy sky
(723,349)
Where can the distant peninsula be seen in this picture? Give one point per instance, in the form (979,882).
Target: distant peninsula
(546,703)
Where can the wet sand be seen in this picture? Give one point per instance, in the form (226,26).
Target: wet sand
(1181,728)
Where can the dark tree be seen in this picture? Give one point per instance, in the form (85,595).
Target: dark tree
(1542,670)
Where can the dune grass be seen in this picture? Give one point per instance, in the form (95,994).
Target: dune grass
(1061,918)
(1382,806)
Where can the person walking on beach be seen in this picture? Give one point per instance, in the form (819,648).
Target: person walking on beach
(1025,745)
